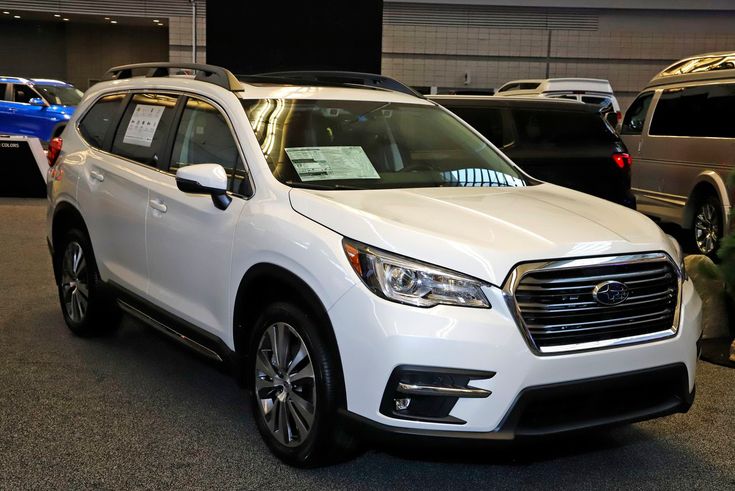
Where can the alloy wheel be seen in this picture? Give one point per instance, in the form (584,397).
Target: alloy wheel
(75,282)
(707,228)
(285,384)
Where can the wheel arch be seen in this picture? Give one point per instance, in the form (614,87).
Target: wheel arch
(264,283)
(708,183)
(65,217)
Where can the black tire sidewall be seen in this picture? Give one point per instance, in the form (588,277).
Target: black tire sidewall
(315,449)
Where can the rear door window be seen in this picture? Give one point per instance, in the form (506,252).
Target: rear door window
(635,116)
(703,111)
(680,112)
(3,88)
(488,121)
(144,127)
(204,137)
(553,129)
(99,119)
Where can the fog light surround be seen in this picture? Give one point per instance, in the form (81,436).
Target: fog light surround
(433,392)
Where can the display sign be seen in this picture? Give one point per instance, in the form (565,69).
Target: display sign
(143,124)
(23,167)
(326,163)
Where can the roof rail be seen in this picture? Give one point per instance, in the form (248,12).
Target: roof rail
(205,73)
(344,78)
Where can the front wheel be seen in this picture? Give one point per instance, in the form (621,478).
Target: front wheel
(296,387)
(708,226)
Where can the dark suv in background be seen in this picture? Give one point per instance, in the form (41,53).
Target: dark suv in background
(562,142)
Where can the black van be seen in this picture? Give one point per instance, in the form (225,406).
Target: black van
(562,142)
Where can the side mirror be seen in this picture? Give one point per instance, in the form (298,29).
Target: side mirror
(36,101)
(208,179)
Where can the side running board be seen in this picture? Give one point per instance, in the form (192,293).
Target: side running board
(170,332)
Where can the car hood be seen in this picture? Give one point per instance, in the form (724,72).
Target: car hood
(483,232)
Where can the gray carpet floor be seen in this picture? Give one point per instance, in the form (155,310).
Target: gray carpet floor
(134,410)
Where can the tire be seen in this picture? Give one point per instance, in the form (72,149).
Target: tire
(296,390)
(87,310)
(707,227)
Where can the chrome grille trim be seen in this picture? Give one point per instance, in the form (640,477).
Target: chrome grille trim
(646,293)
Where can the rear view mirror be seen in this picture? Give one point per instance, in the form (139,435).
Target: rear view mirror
(208,179)
(36,101)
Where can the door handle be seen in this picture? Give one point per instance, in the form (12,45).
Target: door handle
(96,175)
(159,205)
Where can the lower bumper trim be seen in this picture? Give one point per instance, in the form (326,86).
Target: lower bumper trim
(564,408)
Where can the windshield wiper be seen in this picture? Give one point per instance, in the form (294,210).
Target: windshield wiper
(333,187)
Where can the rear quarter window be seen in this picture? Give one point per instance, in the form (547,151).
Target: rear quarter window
(555,128)
(99,119)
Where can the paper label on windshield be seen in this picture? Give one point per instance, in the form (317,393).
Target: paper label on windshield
(326,163)
(143,124)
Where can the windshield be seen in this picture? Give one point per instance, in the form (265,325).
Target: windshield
(373,145)
(62,95)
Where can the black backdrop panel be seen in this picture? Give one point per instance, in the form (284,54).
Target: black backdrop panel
(261,36)
(19,175)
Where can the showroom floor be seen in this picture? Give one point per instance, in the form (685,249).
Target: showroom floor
(135,410)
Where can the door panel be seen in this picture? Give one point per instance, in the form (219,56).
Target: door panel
(113,194)
(190,250)
(190,241)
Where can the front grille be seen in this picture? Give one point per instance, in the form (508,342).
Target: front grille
(559,312)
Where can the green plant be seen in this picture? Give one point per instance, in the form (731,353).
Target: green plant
(726,252)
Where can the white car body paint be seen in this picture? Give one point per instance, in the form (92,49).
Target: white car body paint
(190,259)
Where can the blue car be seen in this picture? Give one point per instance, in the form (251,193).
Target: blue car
(36,107)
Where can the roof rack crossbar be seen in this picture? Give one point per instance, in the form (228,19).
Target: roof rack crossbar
(205,73)
(344,78)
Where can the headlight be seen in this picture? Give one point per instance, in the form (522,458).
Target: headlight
(679,256)
(412,282)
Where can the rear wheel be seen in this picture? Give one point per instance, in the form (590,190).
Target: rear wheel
(87,311)
(708,226)
(296,385)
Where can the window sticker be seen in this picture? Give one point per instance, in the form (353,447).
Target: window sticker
(326,163)
(143,124)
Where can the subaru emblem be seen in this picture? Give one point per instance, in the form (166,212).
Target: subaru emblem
(610,293)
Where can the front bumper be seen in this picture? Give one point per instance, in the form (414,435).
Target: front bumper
(375,336)
(564,407)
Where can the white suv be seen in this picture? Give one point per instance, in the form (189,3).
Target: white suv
(363,260)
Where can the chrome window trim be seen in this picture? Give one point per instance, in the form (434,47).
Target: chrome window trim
(521,270)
